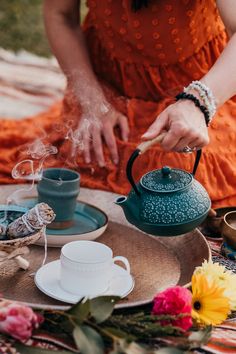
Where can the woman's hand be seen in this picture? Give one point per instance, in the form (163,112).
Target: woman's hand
(100,126)
(185,126)
(69,46)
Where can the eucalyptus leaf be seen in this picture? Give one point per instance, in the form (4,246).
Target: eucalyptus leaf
(80,310)
(31,350)
(88,340)
(102,307)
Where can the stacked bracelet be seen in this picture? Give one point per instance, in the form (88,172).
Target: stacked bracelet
(195,100)
(205,94)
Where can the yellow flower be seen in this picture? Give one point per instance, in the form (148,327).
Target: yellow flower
(209,305)
(224,278)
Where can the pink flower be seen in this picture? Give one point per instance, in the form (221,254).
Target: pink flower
(174,301)
(17,320)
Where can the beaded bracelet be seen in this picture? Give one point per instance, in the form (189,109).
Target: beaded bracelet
(203,97)
(205,94)
(207,90)
(195,100)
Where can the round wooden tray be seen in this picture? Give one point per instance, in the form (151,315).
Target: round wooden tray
(156,263)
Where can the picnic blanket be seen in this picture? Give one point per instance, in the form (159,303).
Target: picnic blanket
(28,84)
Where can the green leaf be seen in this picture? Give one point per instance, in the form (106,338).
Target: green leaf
(88,340)
(118,333)
(31,350)
(102,307)
(80,311)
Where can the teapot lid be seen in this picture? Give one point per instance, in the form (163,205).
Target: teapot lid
(166,180)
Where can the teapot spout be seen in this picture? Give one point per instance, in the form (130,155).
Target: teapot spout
(129,209)
(121,201)
(130,206)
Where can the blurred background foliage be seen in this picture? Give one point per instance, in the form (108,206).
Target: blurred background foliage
(21,26)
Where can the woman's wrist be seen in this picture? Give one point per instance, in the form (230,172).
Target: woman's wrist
(89,94)
(204,94)
(197,103)
(203,98)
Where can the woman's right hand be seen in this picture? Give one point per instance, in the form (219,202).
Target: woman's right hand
(97,125)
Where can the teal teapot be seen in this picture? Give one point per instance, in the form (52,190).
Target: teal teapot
(167,201)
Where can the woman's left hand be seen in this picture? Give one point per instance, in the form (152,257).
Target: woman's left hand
(185,126)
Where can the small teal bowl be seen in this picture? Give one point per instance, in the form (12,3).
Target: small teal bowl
(9,213)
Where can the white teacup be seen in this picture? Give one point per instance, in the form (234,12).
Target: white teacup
(86,267)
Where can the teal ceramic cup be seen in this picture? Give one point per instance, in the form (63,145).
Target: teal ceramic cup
(59,188)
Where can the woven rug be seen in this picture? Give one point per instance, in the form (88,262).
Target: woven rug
(223,339)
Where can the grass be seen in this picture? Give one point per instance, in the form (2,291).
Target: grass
(21,26)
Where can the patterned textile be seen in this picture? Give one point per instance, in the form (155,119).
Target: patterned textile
(228,251)
(223,339)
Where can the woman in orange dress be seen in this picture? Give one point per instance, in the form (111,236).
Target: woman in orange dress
(124,70)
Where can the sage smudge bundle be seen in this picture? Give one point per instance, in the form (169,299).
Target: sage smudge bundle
(35,219)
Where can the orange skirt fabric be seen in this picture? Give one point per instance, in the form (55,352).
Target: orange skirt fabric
(139,90)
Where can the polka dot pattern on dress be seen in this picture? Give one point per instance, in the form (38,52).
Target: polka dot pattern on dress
(161,56)
(123,31)
(138,35)
(176,40)
(168,8)
(155,22)
(140,46)
(156,35)
(108,12)
(179,50)
(107,23)
(157,32)
(158,46)
(124,17)
(174,31)
(136,23)
(189,13)
(172,20)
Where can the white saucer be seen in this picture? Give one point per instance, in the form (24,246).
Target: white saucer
(47,280)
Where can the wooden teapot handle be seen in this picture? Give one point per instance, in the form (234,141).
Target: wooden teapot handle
(144,146)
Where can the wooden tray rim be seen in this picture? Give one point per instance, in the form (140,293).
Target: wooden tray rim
(117,306)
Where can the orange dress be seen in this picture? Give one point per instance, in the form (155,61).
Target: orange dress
(142,59)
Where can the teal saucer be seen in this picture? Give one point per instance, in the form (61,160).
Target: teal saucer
(89,223)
